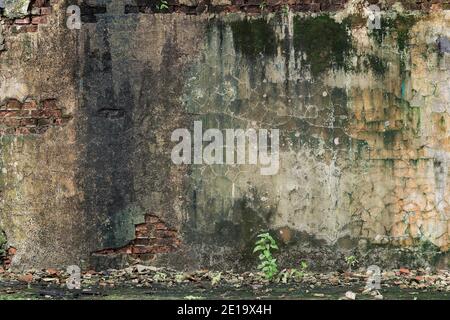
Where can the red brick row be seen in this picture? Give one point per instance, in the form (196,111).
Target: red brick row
(30,117)
(151,237)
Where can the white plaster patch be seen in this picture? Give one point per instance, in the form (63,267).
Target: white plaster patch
(12,88)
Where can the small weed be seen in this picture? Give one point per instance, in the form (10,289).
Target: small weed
(263,5)
(179,277)
(160,277)
(303,266)
(351,261)
(162,5)
(215,278)
(293,274)
(268,264)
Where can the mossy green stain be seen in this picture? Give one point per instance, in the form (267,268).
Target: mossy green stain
(388,139)
(361,145)
(400,25)
(389,164)
(354,20)
(254,37)
(325,42)
(377,64)
(2,243)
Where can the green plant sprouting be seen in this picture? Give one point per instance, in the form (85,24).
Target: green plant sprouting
(293,274)
(285,10)
(268,264)
(215,278)
(351,261)
(2,243)
(159,277)
(162,5)
(263,5)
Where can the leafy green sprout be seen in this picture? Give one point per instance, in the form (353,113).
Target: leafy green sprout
(303,265)
(179,277)
(163,5)
(285,10)
(351,261)
(215,278)
(268,264)
(262,5)
(294,274)
(160,277)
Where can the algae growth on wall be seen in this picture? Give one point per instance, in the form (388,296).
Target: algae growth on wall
(87,117)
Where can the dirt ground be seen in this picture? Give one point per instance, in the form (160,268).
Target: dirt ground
(144,283)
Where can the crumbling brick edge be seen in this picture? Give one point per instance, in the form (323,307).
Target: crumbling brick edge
(5,261)
(30,116)
(152,237)
(38,13)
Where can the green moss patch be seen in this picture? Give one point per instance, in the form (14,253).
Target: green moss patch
(378,65)
(325,42)
(254,37)
(400,26)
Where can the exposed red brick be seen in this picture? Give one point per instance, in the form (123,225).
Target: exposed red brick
(40,9)
(7,259)
(13,114)
(160,226)
(26,278)
(30,117)
(403,271)
(46,10)
(28,122)
(10,122)
(39,3)
(49,104)
(151,237)
(29,105)
(22,21)
(25,28)
(13,104)
(52,271)
(39,20)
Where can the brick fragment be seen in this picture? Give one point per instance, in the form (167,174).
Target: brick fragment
(13,104)
(35,11)
(22,21)
(46,10)
(39,3)
(39,20)
(27,118)
(25,28)
(152,237)
(29,105)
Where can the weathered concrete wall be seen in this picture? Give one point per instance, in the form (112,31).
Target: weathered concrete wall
(87,117)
